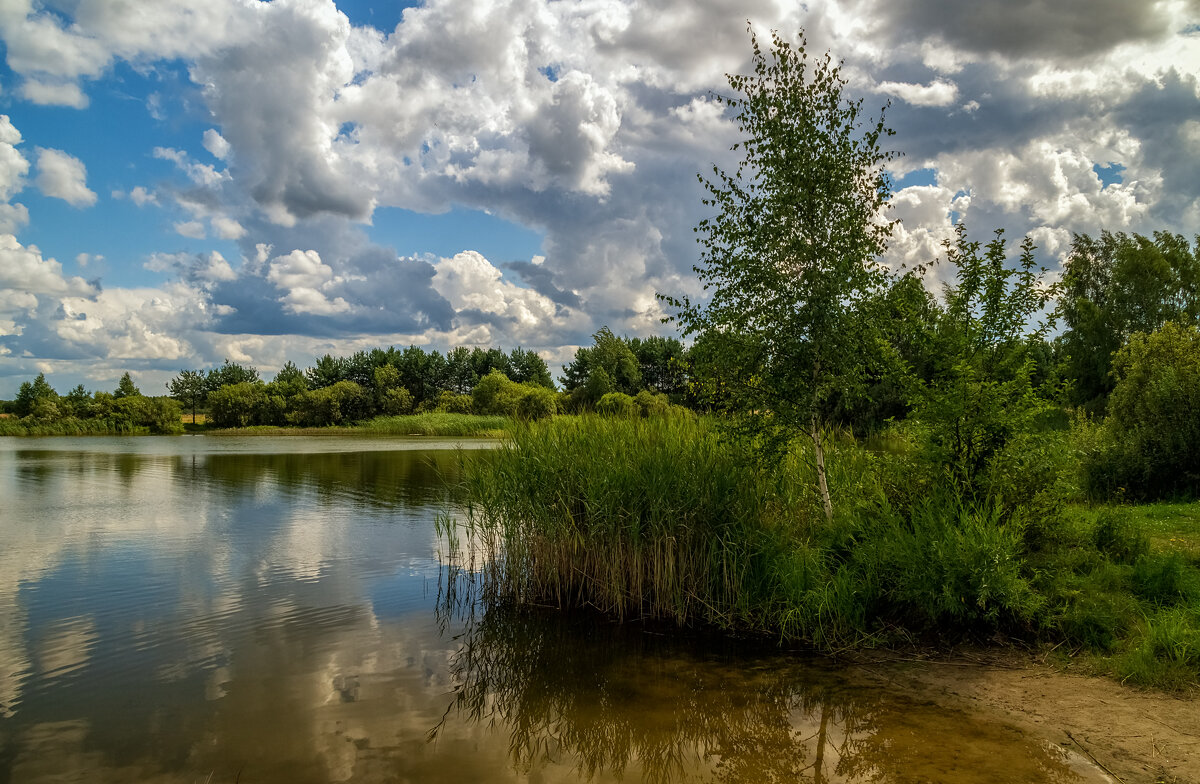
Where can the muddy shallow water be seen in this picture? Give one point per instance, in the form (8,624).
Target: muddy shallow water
(264,609)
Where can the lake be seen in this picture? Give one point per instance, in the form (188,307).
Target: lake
(272,609)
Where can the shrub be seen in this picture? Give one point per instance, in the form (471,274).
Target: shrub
(651,404)
(338,404)
(1152,448)
(537,403)
(495,394)
(617,404)
(238,405)
(397,400)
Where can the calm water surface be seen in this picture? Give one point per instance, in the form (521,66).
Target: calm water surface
(263,609)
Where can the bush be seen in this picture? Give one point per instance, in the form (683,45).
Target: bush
(340,404)
(495,395)
(1152,444)
(238,405)
(537,403)
(452,403)
(651,404)
(618,404)
(396,400)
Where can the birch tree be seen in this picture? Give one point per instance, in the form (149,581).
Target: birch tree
(790,255)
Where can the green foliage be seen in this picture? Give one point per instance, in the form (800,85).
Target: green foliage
(77,402)
(126,388)
(951,563)
(650,404)
(398,400)
(617,404)
(986,396)
(239,405)
(662,363)
(33,397)
(1154,416)
(340,404)
(497,395)
(538,402)
(526,367)
(229,374)
(190,388)
(609,365)
(327,371)
(789,258)
(1115,286)
(289,381)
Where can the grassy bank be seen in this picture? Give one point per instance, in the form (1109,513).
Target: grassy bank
(662,518)
(431,424)
(72,427)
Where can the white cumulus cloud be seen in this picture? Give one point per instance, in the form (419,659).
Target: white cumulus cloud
(63,176)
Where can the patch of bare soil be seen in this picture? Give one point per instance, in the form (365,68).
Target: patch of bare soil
(1136,736)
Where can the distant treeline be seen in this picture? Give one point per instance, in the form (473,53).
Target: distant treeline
(616,374)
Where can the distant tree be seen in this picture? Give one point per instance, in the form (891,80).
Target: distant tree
(986,397)
(526,367)
(1117,285)
(289,381)
(77,402)
(1153,427)
(662,363)
(460,372)
(35,399)
(484,362)
(190,388)
(608,365)
(339,404)
(229,374)
(790,255)
(239,405)
(328,371)
(126,388)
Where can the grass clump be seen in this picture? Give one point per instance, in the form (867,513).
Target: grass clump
(637,517)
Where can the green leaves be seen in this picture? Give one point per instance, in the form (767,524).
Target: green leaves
(986,397)
(789,257)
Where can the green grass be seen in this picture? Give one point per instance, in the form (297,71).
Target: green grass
(430,424)
(70,427)
(1170,527)
(664,518)
(438,424)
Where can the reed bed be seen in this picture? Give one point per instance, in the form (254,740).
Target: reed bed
(656,518)
(437,423)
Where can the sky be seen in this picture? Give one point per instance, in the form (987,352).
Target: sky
(188,181)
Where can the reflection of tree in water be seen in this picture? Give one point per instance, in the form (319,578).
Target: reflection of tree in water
(618,701)
(412,478)
(621,700)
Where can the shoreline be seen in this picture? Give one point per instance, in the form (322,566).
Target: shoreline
(1138,736)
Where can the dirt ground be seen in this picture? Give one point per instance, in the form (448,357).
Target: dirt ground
(1136,736)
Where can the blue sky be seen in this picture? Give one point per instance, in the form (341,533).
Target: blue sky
(210,179)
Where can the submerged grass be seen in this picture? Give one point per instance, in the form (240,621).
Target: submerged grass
(663,518)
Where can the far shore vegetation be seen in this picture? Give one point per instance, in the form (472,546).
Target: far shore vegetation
(830,453)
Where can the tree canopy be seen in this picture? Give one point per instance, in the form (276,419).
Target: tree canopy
(790,254)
